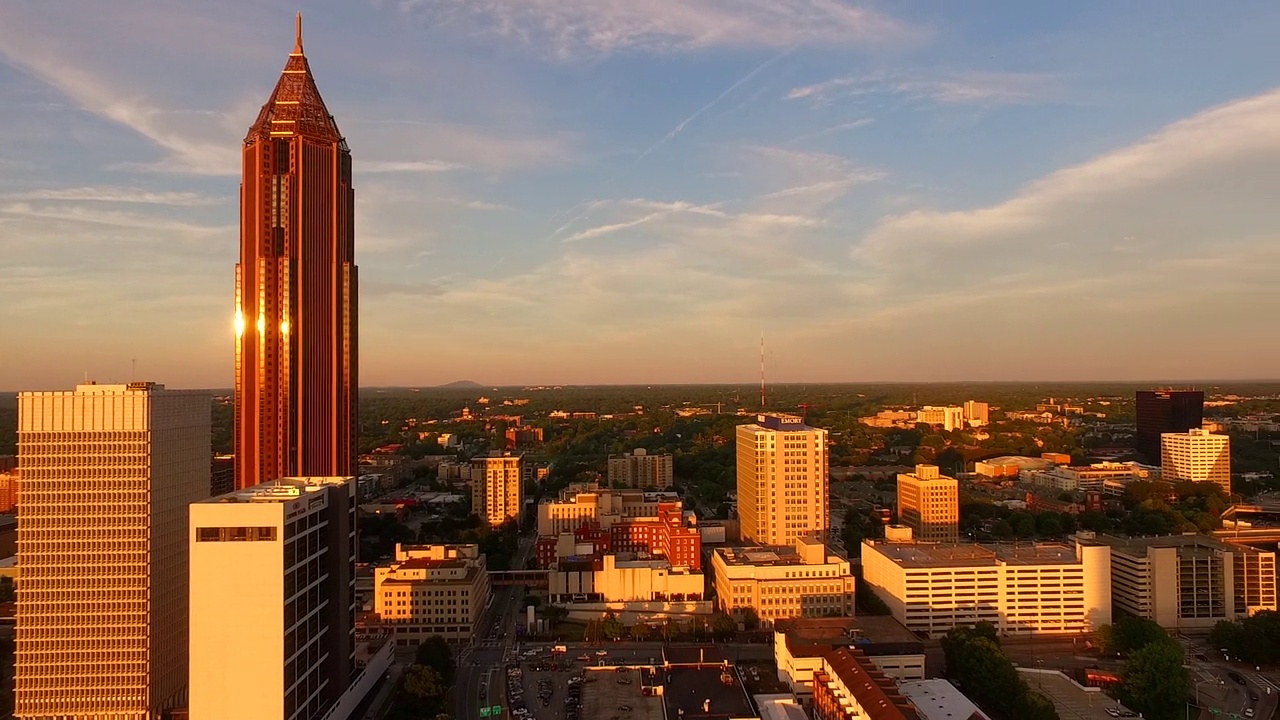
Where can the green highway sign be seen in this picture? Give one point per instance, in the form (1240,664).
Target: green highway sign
(495,711)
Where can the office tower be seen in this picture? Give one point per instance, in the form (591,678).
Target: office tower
(976,413)
(929,504)
(107,474)
(496,494)
(273,600)
(1164,411)
(782,480)
(1198,456)
(295,315)
(432,590)
(641,470)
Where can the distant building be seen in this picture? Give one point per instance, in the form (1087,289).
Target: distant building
(950,417)
(1021,589)
(1088,477)
(432,590)
(1196,456)
(497,493)
(803,580)
(1164,411)
(523,436)
(598,522)
(449,441)
(783,482)
(1009,465)
(9,489)
(283,554)
(107,472)
(1189,581)
(640,469)
(929,504)
(222,475)
(976,414)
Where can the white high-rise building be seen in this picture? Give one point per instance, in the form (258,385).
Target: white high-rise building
(783,480)
(107,474)
(976,413)
(273,600)
(950,417)
(1198,456)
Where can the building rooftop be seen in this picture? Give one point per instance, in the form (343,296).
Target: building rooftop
(779,707)
(938,699)
(875,692)
(1140,545)
(1029,463)
(703,694)
(281,490)
(920,555)
(814,637)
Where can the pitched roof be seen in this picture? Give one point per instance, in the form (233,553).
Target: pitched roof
(295,106)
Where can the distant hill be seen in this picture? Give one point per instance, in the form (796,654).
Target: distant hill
(462,384)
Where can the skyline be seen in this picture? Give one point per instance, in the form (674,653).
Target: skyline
(588,193)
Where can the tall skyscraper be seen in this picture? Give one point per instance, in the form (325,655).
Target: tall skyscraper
(1196,456)
(295,315)
(929,504)
(1164,411)
(783,480)
(107,474)
(496,492)
(282,555)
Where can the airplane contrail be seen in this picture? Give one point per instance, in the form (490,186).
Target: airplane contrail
(684,123)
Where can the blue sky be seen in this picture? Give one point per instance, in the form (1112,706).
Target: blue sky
(616,191)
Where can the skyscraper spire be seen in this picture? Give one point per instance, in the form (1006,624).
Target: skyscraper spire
(297,43)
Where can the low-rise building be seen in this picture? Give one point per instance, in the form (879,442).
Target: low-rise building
(938,699)
(641,470)
(671,534)
(9,481)
(1088,477)
(950,417)
(849,686)
(432,590)
(800,644)
(783,582)
(583,502)
(1189,581)
(622,578)
(1009,466)
(1021,589)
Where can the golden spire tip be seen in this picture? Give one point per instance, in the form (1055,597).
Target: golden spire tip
(297,43)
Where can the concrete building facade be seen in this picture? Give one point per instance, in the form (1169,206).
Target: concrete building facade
(1189,581)
(976,414)
(929,504)
(432,590)
(623,578)
(1041,589)
(1198,456)
(641,470)
(497,494)
(783,480)
(800,644)
(282,555)
(108,472)
(950,417)
(849,686)
(803,580)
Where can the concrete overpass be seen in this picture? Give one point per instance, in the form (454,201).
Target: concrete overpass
(1250,524)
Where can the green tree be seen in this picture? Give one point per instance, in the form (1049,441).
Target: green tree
(723,626)
(1024,524)
(424,685)
(1154,682)
(670,629)
(640,632)
(1049,524)
(750,620)
(1002,529)
(435,653)
(611,627)
(553,614)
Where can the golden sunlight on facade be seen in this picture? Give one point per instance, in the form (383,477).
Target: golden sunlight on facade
(432,590)
(929,504)
(783,582)
(783,480)
(108,472)
(496,491)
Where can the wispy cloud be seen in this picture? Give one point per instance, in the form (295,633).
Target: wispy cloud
(116,194)
(567,28)
(955,88)
(407,166)
(834,129)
